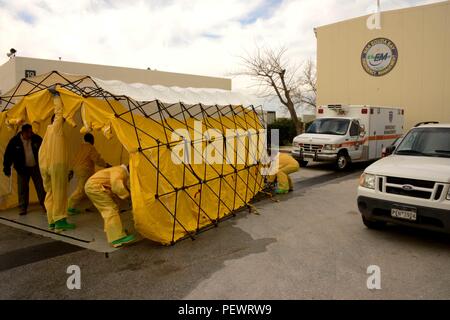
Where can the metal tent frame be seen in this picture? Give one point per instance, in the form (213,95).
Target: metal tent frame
(86,87)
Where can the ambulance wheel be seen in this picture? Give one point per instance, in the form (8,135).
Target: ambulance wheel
(343,161)
(303,163)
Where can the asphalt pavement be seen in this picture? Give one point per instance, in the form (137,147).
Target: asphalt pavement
(310,244)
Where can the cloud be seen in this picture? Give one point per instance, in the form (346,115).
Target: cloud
(196,36)
(26,17)
(263,10)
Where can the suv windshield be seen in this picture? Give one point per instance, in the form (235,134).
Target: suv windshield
(329,126)
(429,142)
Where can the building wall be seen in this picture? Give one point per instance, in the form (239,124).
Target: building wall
(128,75)
(7,76)
(419,83)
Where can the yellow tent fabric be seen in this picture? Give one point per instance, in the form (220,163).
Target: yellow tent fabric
(35,109)
(7,185)
(196,206)
(169,200)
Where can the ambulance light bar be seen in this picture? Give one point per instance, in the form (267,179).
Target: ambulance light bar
(337,108)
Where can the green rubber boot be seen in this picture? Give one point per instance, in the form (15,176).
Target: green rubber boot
(62,225)
(122,241)
(281,191)
(73,211)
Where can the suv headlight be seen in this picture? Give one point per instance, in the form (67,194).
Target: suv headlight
(367,181)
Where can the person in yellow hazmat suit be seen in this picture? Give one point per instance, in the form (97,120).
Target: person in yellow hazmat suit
(286,165)
(102,188)
(53,164)
(84,167)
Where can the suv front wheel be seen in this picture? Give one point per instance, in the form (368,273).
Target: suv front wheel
(377,225)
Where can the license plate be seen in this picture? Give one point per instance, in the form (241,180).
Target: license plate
(308,155)
(404,213)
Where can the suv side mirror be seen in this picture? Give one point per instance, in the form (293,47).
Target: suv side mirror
(390,150)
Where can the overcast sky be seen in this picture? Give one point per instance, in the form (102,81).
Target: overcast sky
(188,36)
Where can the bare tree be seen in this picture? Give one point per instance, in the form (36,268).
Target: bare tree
(306,92)
(275,75)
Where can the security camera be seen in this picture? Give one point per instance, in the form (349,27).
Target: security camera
(11,53)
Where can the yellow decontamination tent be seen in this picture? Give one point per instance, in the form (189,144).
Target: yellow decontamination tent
(193,153)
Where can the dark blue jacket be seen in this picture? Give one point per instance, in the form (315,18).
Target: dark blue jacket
(15,153)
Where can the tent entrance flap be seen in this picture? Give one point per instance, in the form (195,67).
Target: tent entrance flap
(89,233)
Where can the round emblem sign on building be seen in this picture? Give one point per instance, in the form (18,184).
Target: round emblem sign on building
(379,57)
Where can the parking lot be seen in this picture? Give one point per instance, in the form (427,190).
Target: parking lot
(309,245)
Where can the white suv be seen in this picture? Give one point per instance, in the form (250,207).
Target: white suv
(412,186)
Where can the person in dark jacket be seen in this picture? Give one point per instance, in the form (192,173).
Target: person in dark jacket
(22,152)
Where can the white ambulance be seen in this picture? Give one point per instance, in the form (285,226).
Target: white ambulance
(348,133)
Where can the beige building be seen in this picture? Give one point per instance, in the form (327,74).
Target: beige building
(399,58)
(20,67)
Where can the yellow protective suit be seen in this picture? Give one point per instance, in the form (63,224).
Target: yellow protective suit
(84,167)
(53,162)
(101,189)
(286,166)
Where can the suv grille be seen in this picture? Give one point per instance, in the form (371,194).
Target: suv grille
(422,189)
(439,190)
(412,182)
(409,193)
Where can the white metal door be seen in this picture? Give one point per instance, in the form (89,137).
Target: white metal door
(355,149)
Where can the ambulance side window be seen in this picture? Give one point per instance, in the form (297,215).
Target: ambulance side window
(354,129)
